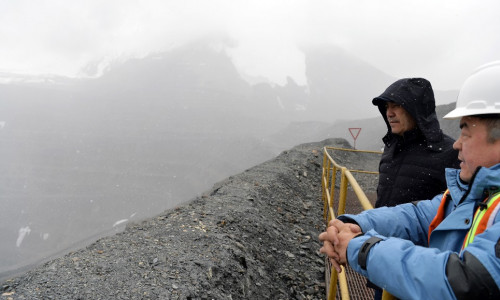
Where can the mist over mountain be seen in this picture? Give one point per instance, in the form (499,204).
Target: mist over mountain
(369,137)
(82,157)
(341,86)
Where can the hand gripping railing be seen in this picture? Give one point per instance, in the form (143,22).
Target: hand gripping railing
(328,182)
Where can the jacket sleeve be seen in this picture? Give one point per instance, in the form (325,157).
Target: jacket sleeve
(403,269)
(407,221)
(409,271)
(476,273)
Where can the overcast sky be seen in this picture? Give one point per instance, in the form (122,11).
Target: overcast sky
(443,40)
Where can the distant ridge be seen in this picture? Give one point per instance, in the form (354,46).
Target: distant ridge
(370,137)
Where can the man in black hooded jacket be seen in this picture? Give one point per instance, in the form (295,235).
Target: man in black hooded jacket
(415,157)
(416,151)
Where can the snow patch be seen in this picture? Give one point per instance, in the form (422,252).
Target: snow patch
(23,232)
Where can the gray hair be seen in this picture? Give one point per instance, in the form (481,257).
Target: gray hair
(492,122)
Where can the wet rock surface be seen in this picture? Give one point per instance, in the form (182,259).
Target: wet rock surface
(253,236)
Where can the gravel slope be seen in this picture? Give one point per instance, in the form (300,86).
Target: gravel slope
(253,236)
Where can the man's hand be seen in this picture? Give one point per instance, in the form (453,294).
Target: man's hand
(329,239)
(335,240)
(345,235)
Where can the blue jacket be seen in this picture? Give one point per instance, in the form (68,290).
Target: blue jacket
(404,264)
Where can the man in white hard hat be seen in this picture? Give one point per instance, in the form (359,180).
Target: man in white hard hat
(447,247)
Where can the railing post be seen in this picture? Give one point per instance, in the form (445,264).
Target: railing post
(332,189)
(332,291)
(387,296)
(344,290)
(343,191)
(324,184)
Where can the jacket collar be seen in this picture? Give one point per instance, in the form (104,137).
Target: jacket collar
(409,136)
(484,180)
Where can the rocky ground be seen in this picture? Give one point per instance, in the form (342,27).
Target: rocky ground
(253,236)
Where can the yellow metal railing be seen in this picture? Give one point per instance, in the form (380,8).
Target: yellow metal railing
(328,184)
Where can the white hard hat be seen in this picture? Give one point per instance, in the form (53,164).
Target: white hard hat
(480,93)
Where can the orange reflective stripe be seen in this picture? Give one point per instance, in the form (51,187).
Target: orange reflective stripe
(482,217)
(486,217)
(439,215)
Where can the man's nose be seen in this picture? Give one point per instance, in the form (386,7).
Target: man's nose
(457,144)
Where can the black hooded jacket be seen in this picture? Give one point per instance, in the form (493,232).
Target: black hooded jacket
(412,165)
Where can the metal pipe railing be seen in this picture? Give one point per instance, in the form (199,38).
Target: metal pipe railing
(328,184)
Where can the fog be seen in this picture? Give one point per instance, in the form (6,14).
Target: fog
(440,40)
(100,127)
(82,158)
